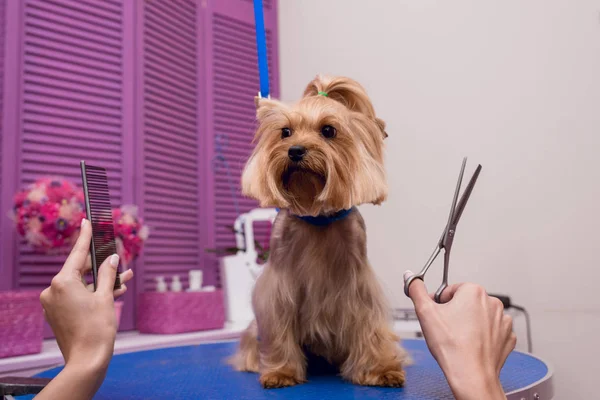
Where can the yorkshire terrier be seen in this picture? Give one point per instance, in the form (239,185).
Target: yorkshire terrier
(317,160)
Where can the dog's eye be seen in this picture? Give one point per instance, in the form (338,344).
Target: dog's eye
(328,131)
(286,132)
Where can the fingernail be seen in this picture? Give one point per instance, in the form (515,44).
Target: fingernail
(114,260)
(83,222)
(407,274)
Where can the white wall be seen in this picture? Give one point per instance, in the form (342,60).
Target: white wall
(514,85)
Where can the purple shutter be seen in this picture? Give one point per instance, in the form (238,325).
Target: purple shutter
(232,83)
(5,275)
(71,104)
(68,95)
(168,166)
(11,66)
(2,37)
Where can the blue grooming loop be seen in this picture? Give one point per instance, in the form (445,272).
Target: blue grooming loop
(261,49)
(200,372)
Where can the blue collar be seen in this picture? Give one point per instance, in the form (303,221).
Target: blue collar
(324,220)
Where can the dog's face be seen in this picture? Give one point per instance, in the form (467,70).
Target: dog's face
(321,155)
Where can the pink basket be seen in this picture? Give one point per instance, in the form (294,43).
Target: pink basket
(21,323)
(180,312)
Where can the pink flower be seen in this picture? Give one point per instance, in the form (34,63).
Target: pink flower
(20,198)
(130,232)
(58,190)
(48,214)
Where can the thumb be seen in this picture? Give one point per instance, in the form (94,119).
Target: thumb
(417,291)
(107,275)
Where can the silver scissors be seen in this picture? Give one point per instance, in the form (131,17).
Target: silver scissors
(449,231)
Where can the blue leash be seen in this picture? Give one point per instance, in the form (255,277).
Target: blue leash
(263,73)
(219,158)
(261,49)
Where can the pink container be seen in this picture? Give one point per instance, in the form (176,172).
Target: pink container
(180,312)
(21,323)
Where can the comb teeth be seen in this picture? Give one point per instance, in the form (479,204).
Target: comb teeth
(99,211)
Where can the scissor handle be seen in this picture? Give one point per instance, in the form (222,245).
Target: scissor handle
(410,280)
(438,293)
(421,274)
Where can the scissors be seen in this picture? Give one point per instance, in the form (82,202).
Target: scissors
(447,238)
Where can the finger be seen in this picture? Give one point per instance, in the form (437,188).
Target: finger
(107,275)
(509,346)
(120,291)
(126,276)
(417,291)
(473,292)
(88,264)
(448,293)
(511,342)
(45,297)
(506,325)
(496,310)
(77,259)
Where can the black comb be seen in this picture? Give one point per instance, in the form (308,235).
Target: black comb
(99,213)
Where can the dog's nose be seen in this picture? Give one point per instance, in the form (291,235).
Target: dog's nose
(296,153)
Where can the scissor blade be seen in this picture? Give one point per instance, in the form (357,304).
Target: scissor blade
(465,196)
(455,198)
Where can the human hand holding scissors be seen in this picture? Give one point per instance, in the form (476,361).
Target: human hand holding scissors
(447,238)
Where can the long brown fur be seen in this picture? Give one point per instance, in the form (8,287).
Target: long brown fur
(318,290)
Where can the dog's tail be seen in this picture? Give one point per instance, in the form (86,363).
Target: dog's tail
(246,358)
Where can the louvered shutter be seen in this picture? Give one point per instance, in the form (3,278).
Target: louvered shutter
(11,91)
(6,272)
(2,37)
(71,103)
(233,82)
(169,190)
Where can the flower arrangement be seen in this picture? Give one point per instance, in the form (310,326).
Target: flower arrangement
(48,214)
(130,233)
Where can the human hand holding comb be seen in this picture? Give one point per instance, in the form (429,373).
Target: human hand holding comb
(83,321)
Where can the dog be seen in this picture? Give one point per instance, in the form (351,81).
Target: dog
(317,160)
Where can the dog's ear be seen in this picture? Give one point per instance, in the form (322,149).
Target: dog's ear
(381,125)
(266,107)
(346,91)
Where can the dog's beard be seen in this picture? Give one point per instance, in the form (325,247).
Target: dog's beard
(320,184)
(296,186)
(302,187)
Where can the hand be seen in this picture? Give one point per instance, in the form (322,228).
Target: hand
(84,322)
(469,336)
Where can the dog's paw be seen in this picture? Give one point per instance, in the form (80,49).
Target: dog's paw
(276,379)
(390,378)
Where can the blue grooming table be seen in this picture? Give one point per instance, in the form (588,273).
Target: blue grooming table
(200,372)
